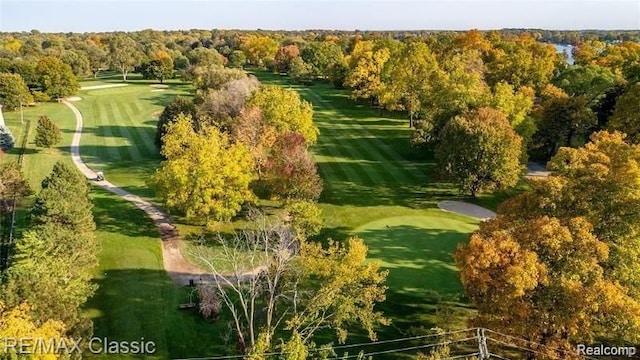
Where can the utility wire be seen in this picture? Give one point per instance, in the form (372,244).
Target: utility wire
(348,346)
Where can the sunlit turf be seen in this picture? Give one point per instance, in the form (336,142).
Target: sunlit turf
(379,188)
(135,298)
(120,127)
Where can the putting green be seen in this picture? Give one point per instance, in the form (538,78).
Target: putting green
(417,251)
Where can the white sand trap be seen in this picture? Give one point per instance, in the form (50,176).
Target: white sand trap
(106,86)
(463,208)
(156,90)
(159,86)
(74,98)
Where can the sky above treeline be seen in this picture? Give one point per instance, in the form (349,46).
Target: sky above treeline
(110,15)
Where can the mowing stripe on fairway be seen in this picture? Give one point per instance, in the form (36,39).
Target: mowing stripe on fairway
(103,130)
(390,170)
(112,115)
(123,130)
(141,139)
(381,147)
(367,167)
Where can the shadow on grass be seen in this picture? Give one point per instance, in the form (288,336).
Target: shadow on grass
(131,304)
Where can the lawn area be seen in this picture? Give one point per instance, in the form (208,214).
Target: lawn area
(379,188)
(120,127)
(135,297)
(376,187)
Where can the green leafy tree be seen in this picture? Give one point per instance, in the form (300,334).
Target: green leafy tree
(299,71)
(13,91)
(97,57)
(285,111)
(204,57)
(56,78)
(214,77)
(179,105)
(407,77)
(77,60)
(562,121)
(160,69)
(204,176)
(590,81)
(237,59)
(47,133)
(305,218)
(54,260)
(320,55)
(124,54)
(7,141)
(480,151)
(626,116)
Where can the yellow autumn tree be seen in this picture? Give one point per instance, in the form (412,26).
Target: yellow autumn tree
(204,176)
(543,279)
(16,323)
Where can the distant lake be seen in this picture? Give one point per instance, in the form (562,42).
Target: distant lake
(567,49)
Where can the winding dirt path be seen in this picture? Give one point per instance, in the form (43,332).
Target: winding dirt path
(177,267)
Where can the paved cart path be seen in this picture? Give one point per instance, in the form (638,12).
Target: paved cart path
(177,267)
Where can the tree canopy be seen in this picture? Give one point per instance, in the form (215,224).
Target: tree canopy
(480,151)
(204,176)
(285,111)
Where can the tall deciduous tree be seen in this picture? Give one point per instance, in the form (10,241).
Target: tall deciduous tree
(544,279)
(284,56)
(124,54)
(320,55)
(626,116)
(366,63)
(13,91)
(12,184)
(407,78)
(259,49)
(47,132)
(480,151)
(56,78)
(295,289)
(290,171)
(204,176)
(285,111)
(561,121)
(179,105)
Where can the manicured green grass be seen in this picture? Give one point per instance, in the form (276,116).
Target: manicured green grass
(374,179)
(119,130)
(135,297)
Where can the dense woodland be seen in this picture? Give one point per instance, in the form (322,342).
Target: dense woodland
(557,266)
